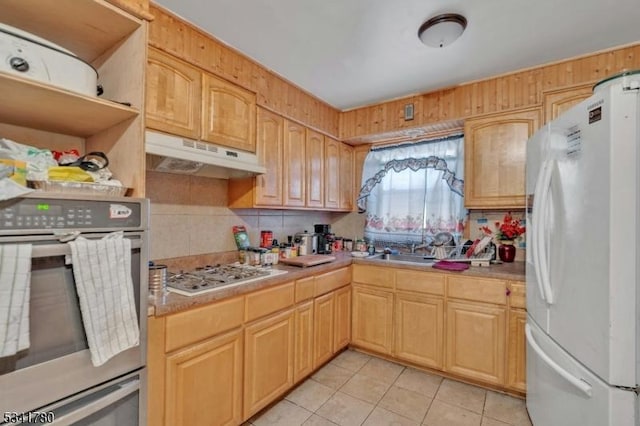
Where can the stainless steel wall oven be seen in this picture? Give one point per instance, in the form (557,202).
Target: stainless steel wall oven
(55,374)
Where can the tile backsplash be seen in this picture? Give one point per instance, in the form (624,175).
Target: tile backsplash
(189,216)
(478,218)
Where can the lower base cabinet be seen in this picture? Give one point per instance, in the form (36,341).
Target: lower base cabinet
(342,319)
(419,329)
(476,341)
(323,324)
(268,361)
(372,326)
(204,383)
(303,353)
(517,351)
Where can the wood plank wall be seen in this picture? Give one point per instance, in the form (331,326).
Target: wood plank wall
(139,8)
(183,40)
(502,93)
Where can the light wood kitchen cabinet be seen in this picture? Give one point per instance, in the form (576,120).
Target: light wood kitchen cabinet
(419,325)
(346,177)
(517,351)
(516,341)
(295,164)
(228,114)
(558,101)
(268,360)
(204,383)
(475,335)
(303,353)
(342,320)
(173,95)
(269,148)
(315,169)
(184,100)
(495,151)
(323,328)
(360,153)
(304,169)
(51,117)
(332,173)
(372,320)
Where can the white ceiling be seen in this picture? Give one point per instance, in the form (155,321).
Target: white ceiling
(352,53)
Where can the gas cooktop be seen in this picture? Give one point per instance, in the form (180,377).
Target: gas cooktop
(211,278)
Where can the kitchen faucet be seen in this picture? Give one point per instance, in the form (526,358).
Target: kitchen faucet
(413,247)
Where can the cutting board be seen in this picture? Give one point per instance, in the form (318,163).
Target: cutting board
(308,260)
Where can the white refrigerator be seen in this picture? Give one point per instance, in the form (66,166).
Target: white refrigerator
(583,203)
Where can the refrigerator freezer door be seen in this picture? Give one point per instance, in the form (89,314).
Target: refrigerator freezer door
(588,235)
(560,391)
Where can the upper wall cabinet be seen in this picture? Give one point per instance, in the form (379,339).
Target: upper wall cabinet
(558,101)
(305,169)
(495,151)
(173,95)
(186,101)
(229,114)
(51,116)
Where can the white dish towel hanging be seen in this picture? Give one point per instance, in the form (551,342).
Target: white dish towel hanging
(102,272)
(15,289)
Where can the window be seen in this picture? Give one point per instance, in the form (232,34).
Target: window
(411,192)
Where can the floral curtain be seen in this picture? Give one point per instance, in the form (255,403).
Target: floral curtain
(411,192)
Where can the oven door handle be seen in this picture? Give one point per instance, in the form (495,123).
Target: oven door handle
(97,405)
(53,250)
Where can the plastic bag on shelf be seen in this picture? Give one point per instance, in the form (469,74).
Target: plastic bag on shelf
(38,160)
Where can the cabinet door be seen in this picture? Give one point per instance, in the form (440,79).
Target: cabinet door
(204,383)
(303,355)
(558,101)
(268,361)
(323,329)
(342,326)
(372,326)
(229,114)
(173,95)
(517,351)
(294,164)
(495,151)
(315,169)
(476,341)
(332,173)
(269,149)
(419,329)
(360,153)
(346,177)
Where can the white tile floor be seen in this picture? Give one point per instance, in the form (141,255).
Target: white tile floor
(357,389)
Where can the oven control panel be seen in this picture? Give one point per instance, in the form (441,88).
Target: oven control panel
(35,214)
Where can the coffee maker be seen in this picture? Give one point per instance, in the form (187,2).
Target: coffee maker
(325,238)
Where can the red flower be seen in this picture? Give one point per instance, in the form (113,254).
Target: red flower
(510,228)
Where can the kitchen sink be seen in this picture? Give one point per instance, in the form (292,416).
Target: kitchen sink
(405,257)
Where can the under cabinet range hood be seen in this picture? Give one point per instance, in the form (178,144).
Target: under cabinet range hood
(174,154)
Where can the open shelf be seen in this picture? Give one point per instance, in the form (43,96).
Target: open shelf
(40,106)
(88,28)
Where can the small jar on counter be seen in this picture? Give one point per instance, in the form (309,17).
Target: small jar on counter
(347,244)
(337,244)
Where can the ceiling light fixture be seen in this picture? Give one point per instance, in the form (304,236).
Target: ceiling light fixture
(442,30)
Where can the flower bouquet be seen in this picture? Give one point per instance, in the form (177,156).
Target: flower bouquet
(507,231)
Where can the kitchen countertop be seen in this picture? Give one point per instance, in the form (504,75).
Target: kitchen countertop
(169,303)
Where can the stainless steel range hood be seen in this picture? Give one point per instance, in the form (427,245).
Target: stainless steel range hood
(174,154)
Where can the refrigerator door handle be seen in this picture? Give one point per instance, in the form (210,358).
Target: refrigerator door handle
(536,222)
(580,384)
(540,248)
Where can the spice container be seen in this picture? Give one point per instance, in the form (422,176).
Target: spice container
(157,279)
(337,244)
(348,244)
(266,239)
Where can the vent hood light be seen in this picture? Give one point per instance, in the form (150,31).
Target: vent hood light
(174,154)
